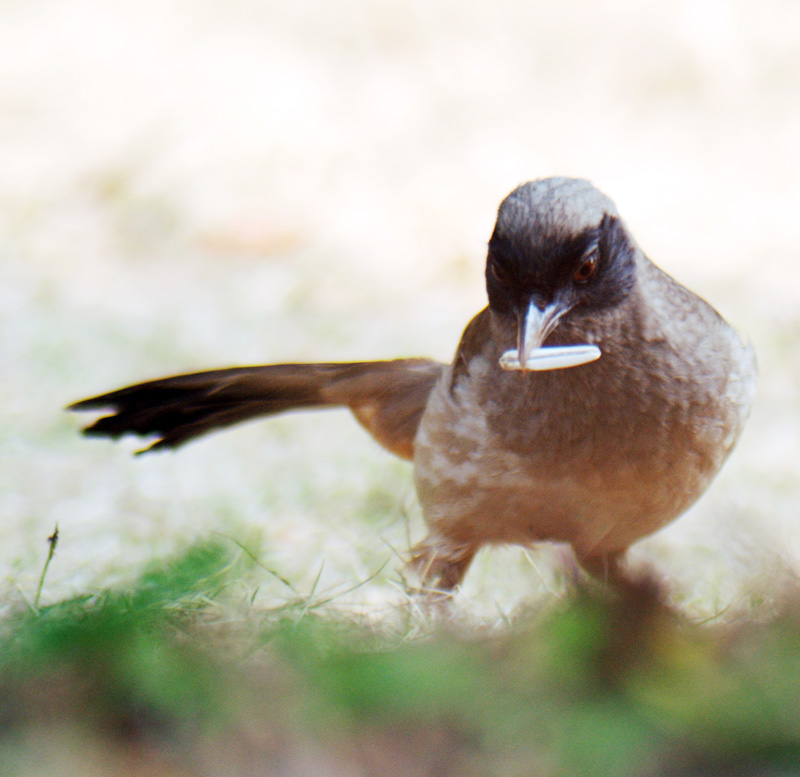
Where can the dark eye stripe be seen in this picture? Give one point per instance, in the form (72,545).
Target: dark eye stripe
(500,273)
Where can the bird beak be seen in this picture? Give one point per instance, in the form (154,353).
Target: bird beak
(535,326)
(532,331)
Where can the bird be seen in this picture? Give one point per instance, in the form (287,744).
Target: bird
(590,403)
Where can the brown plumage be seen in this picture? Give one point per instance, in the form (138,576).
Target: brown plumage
(388,399)
(597,455)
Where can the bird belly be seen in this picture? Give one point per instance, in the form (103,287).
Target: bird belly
(475,506)
(600,498)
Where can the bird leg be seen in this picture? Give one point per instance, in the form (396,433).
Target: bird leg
(439,565)
(606,569)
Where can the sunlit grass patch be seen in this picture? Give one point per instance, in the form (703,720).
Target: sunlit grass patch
(180,665)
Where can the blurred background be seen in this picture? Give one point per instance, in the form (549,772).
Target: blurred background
(189,185)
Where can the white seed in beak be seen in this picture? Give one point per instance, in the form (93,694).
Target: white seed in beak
(556,357)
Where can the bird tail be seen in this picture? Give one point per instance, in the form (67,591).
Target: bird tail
(387,397)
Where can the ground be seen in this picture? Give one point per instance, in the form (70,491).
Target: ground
(191,185)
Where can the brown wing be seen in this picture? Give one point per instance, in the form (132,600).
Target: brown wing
(475,339)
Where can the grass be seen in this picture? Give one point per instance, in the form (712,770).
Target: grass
(191,185)
(292,194)
(170,671)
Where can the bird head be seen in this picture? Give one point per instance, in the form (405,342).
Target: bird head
(558,250)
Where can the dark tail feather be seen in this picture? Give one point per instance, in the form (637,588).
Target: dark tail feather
(388,398)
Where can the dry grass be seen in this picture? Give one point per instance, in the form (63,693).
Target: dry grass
(189,185)
(175,674)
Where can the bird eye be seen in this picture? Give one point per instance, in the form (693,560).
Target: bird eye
(500,274)
(586,270)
